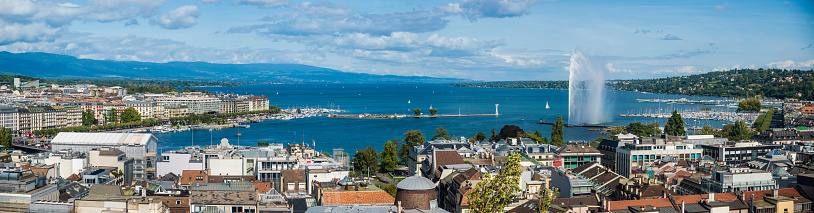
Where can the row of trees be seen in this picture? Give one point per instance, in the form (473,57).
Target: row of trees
(417,111)
(395,152)
(128,115)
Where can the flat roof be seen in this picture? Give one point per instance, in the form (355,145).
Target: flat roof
(85,138)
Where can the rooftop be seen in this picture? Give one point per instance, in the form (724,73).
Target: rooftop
(84,138)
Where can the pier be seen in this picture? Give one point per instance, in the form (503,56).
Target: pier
(397,116)
(729,116)
(576,125)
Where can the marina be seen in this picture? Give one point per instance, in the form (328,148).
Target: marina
(729,116)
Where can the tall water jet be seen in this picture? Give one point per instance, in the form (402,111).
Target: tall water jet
(586,91)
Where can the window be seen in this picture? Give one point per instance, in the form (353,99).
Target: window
(178,202)
(199,178)
(291,186)
(237,209)
(302,186)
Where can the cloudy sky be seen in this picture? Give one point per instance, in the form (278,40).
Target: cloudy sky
(470,39)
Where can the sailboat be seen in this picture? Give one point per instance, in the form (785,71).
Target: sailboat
(546,105)
(408,101)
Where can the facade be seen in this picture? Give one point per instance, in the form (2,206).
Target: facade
(171,111)
(9,117)
(196,104)
(65,162)
(24,187)
(647,151)
(139,146)
(147,109)
(258,103)
(542,153)
(113,158)
(739,153)
(177,161)
(232,105)
(424,151)
(573,156)
(738,180)
(48,117)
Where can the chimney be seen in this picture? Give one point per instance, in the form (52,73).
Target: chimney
(711,196)
(752,203)
(682,206)
(398,206)
(775,192)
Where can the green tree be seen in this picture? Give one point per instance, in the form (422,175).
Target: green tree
(494,135)
(417,111)
(299,111)
(440,132)
(509,131)
(389,157)
(492,194)
(557,132)
(675,125)
(366,160)
(478,137)
(708,130)
(736,131)
(5,137)
(130,114)
(545,198)
(111,116)
(706,108)
(411,139)
(433,111)
(752,104)
(639,129)
(262,143)
(391,189)
(88,118)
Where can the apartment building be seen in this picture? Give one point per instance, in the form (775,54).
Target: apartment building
(646,151)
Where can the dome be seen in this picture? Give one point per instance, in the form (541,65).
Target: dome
(416,182)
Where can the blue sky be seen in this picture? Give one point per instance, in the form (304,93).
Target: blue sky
(470,39)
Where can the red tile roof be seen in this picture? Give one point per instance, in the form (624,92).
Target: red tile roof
(788,192)
(447,158)
(262,187)
(728,197)
(357,197)
(188,177)
(73,177)
(623,204)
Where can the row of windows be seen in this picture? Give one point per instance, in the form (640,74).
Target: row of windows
(656,157)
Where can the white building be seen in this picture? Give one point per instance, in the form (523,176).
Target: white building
(139,146)
(65,163)
(178,161)
(646,151)
(9,117)
(196,104)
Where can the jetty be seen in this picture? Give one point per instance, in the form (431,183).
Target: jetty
(576,125)
(397,116)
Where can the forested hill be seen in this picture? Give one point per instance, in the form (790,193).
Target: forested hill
(772,83)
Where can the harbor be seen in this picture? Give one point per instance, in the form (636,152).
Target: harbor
(729,116)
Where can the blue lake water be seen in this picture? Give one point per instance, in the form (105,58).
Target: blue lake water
(521,107)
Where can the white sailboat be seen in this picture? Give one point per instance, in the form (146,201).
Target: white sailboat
(546,105)
(408,101)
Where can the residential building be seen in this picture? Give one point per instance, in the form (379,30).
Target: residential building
(179,160)
(776,200)
(648,151)
(175,110)
(232,105)
(573,156)
(348,192)
(604,181)
(113,158)
(739,153)
(196,104)
(109,198)
(422,152)
(147,109)
(542,153)
(192,177)
(738,180)
(48,117)
(258,103)
(9,117)
(67,163)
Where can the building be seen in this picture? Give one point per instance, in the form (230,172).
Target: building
(738,180)
(258,103)
(196,104)
(24,187)
(777,200)
(109,198)
(177,161)
(739,153)
(232,105)
(48,117)
(422,152)
(573,156)
(139,146)
(570,185)
(416,192)
(348,192)
(66,163)
(171,111)
(783,136)
(192,177)
(147,109)
(113,158)
(9,117)
(647,151)
(293,182)
(542,153)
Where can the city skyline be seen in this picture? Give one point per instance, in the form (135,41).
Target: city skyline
(468,39)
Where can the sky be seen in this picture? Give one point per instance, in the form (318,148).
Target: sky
(490,40)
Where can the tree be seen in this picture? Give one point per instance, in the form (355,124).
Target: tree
(440,132)
(262,143)
(752,104)
(545,198)
(111,116)
(478,137)
(675,125)
(494,135)
(88,118)
(509,131)
(708,130)
(433,111)
(557,132)
(736,131)
(366,160)
(417,111)
(299,111)
(389,157)
(494,194)
(639,129)
(5,137)
(411,139)
(130,114)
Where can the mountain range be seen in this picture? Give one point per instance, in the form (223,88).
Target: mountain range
(46,65)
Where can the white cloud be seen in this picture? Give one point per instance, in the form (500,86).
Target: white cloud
(264,3)
(791,64)
(323,9)
(610,68)
(182,17)
(460,46)
(15,32)
(475,9)
(210,1)
(680,70)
